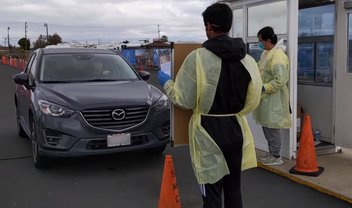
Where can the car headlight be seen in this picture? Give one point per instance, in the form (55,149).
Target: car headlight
(162,103)
(52,109)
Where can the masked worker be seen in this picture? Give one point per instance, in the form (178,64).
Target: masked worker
(221,84)
(273,112)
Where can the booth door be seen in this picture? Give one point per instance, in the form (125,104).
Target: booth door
(343,75)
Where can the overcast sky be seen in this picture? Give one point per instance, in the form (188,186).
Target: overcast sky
(103,20)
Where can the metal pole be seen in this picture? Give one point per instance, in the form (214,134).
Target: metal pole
(292,43)
(8,38)
(47,34)
(25,30)
(25,35)
(158,32)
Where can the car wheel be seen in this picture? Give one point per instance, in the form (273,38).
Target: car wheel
(156,150)
(39,160)
(20,130)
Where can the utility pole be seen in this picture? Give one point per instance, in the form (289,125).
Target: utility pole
(25,35)
(8,38)
(47,34)
(25,30)
(158,32)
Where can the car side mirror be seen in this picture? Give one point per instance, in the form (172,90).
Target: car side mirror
(145,75)
(22,79)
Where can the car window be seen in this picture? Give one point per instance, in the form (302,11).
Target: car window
(32,69)
(85,67)
(30,62)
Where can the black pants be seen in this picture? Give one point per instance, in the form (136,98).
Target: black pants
(227,134)
(231,184)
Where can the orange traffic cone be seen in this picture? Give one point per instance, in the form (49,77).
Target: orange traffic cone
(306,163)
(169,196)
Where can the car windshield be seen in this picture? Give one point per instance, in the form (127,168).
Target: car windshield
(85,68)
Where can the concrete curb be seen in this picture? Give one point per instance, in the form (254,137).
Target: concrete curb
(305,183)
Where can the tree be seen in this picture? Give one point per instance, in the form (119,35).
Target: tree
(54,39)
(24,43)
(40,42)
(164,38)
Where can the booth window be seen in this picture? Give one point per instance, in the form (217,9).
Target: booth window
(349,43)
(237,25)
(315,45)
(271,14)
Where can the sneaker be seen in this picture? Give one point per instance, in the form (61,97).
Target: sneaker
(271,160)
(265,158)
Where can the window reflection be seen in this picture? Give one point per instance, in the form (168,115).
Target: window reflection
(306,61)
(315,45)
(255,51)
(317,21)
(324,62)
(273,14)
(238,23)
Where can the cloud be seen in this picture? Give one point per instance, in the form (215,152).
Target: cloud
(105,20)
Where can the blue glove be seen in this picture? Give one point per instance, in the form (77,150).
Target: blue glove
(163,77)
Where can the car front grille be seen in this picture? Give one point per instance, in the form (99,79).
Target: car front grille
(103,118)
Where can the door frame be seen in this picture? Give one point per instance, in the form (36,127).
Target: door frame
(342,134)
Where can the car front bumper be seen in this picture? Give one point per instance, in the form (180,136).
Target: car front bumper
(72,137)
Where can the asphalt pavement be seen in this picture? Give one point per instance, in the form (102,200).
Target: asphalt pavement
(124,180)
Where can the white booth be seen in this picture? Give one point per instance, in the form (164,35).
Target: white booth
(318,36)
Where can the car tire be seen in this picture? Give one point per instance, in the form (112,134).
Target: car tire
(20,130)
(39,160)
(157,150)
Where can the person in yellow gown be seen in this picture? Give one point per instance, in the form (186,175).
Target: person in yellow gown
(273,112)
(221,84)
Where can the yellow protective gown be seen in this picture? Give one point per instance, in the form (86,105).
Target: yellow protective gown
(273,110)
(195,89)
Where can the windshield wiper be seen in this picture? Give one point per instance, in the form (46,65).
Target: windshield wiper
(98,80)
(74,81)
(56,81)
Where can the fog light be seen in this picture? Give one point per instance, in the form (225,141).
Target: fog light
(52,137)
(166,128)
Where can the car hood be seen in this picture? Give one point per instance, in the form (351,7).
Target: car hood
(79,96)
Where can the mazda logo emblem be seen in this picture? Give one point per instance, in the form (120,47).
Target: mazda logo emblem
(118,114)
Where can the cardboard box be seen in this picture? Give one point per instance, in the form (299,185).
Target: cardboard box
(180,117)
(299,110)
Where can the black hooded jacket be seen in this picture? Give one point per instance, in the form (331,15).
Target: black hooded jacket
(230,98)
(234,78)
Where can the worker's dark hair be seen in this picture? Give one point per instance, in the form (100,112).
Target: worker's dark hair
(268,33)
(219,15)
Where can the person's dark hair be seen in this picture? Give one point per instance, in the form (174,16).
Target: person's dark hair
(268,33)
(219,16)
